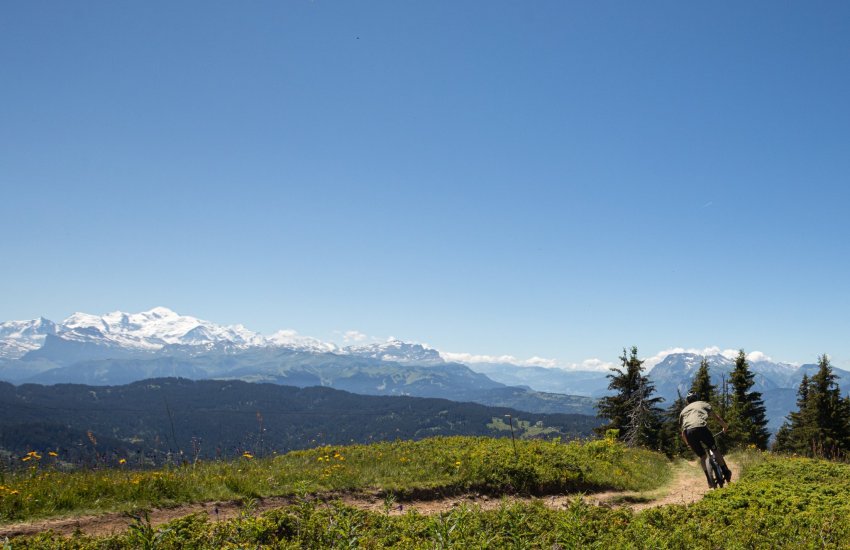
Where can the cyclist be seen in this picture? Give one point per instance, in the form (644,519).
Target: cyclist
(695,433)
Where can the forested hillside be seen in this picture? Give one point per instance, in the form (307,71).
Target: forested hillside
(208,418)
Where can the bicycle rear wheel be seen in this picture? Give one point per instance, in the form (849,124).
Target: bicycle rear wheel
(715,470)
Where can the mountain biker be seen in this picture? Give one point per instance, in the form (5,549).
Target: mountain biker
(695,433)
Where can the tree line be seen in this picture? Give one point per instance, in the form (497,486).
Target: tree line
(155,419)
(819,427)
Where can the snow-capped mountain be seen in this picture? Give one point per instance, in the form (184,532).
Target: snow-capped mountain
(675,373)
(161,329)
(149,331)
(292,340)
(118,347)
(397,351)
(777,382)
(20,337)
(153,329)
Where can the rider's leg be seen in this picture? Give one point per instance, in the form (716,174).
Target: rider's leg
(694,442)
(718,456)
(703,462)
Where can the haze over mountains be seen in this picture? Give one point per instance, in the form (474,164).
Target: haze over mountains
(119,348)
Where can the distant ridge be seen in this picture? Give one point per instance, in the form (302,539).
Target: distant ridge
(120,348)
(224,418)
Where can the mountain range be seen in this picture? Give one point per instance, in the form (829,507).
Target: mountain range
(119,348)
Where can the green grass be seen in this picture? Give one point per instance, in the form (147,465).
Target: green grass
(780,503)
(402,468)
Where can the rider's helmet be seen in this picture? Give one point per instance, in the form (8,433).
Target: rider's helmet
(691,397)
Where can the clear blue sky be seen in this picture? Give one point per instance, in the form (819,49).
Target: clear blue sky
(558,178)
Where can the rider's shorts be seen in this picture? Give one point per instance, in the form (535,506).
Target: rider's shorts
(700,440)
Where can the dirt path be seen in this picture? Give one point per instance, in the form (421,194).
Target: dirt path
(688,485)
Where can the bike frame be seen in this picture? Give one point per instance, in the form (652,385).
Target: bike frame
(714,468)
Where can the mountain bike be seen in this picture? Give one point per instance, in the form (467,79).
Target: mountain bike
(715,472)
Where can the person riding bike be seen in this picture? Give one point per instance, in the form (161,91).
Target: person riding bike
(695,433)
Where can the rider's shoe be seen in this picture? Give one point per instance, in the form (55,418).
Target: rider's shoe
(727,474)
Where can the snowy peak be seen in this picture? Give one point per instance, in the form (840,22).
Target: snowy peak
(677,370)
(148,331)
(154,329)
(399,352)
(36,328)
(679,364)
(20,337)
(292,340)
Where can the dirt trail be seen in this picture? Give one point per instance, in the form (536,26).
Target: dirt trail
(688,485)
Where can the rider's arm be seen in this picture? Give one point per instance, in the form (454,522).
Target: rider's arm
(722,422)
(684,439)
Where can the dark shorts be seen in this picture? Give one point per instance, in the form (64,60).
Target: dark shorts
(700,440)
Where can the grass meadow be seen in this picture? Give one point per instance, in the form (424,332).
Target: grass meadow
(778,502)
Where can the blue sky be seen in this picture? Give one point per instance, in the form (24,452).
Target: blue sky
(554,179)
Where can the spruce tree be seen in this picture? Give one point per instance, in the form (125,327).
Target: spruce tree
(632,410)
(747,420)
(831,437)
(671,440)
(702,386)
(706,391)
(797,431)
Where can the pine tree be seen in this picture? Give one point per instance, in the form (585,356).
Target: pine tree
(829,412)
(747,420)
(702,386)
(632,410)
(821,424)
(671,440)
(724,399)
(706,391)
(797,431)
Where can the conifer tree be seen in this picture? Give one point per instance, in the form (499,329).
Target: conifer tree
(706,391)
(724,399)
(747,420)
(830,435)
(632,410)
(671,441)
(797,431)
(702,386)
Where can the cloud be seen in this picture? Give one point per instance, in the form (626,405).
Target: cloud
(592,364)
(470,358)
(595,364)
(540,362)
(758,356)
(350,336)
(474,358)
